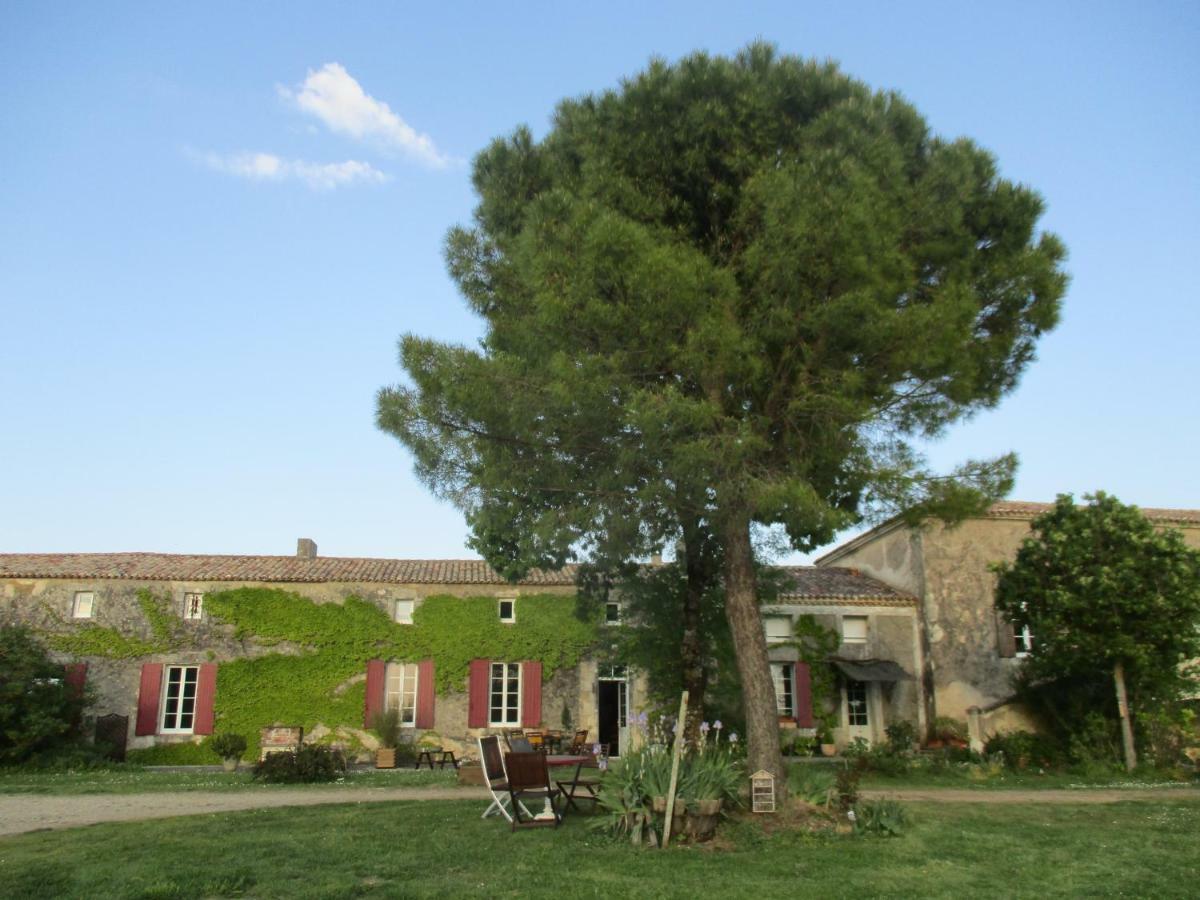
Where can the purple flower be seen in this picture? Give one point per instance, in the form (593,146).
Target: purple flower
(704,728)
(717,724)
(733,737)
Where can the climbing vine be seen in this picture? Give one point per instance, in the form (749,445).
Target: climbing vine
(91,639)
(329,645)
(815,644)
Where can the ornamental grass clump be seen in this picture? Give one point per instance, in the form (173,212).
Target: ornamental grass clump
(635,792)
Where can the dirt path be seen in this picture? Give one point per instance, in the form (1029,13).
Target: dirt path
(36,812)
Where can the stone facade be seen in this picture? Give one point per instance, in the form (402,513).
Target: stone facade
(947,568)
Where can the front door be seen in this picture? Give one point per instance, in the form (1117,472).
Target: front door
(613,690)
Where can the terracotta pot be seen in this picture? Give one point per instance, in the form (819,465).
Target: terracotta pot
(658,804)
(385,758)
(702,820)
(231,765)
(829,749)
(706,807)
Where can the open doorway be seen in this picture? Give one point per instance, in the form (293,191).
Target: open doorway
(612,705)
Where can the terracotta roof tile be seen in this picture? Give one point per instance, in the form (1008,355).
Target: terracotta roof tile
(813,583)
(1022,509)
(191,567)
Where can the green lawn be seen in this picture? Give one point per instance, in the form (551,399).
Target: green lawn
(443,849)
(135,780)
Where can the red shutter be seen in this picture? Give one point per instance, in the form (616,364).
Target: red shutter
(76,678)
(531,694)
(147,710)
(477,694)
(373,705)
(802,691)
(425,693)
(206,690)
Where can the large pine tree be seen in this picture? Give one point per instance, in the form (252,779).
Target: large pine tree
(729,292)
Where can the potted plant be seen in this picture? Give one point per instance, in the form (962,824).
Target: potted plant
(710,777)
(828,747)
(386,726)
(229,747)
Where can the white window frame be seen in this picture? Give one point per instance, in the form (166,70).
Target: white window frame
(1022,640)
(848,638)
(610,605)
(509,675)
(401,682)
(189,614)
(852,705)
(512,618)
(77,605)
(397,610)
(776,620)
(783,677)
(181,699)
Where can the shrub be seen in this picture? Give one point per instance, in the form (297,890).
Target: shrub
(39,711)
(229,745)
(1022,749)
(901,736)
(311,763)
(886,817)
(846,785)
(184,753)
(814,784)
(949,729)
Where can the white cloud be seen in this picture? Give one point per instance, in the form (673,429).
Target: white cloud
(332,95)
(318,176)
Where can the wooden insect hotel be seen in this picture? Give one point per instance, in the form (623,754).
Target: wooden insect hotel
(762,791)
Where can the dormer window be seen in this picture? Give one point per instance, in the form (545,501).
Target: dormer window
(508,610)
(193,606)
(778,629)
(404,612)
(84,606)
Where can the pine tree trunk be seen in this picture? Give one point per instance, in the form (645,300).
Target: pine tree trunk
(698,569)
(1123,712)
(750,645)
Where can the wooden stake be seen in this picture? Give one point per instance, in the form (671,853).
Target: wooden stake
(675,754)
(1123,711)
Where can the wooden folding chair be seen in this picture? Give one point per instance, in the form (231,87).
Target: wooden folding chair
(536,740)
(494,777)
(529,779)
(579,743)
(512,734)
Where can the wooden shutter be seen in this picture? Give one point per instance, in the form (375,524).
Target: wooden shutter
(76,678)
(802,695)
(373,703)
(148,690)
(1006,637)
(477,693)
(206,691)
(531,694)
(425,693)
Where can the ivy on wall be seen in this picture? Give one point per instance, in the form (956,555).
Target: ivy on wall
(91,639)
(815,643)
(329,645)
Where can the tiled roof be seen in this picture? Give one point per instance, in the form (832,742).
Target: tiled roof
(190,567)
(808,583)
(843,585)
(1020,509)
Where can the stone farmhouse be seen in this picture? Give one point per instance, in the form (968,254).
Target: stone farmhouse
(967,653)
(182,645)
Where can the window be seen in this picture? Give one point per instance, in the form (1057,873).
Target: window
(401,691)
(781,674)
(505,703)
(193,606)
(854,629)
(179,699)
(612,613)
(404,611)
(778,628)
(1023,639)
(84,606)
(856,703)
(508,610)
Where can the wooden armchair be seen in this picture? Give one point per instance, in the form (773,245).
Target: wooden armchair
(529,779)
(579,743)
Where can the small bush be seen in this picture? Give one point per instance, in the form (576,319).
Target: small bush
(886,817)
(1024,749)
(229,745)
(814,784)
(949,729)
(901,736)
(310,764)
(846,785)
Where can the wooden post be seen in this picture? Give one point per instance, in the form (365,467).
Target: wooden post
(1123,711)
(676,752)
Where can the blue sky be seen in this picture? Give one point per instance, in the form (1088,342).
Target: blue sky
(216,219)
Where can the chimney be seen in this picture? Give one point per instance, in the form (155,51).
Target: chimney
(306,548)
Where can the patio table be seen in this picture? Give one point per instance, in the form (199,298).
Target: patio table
(578,760)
